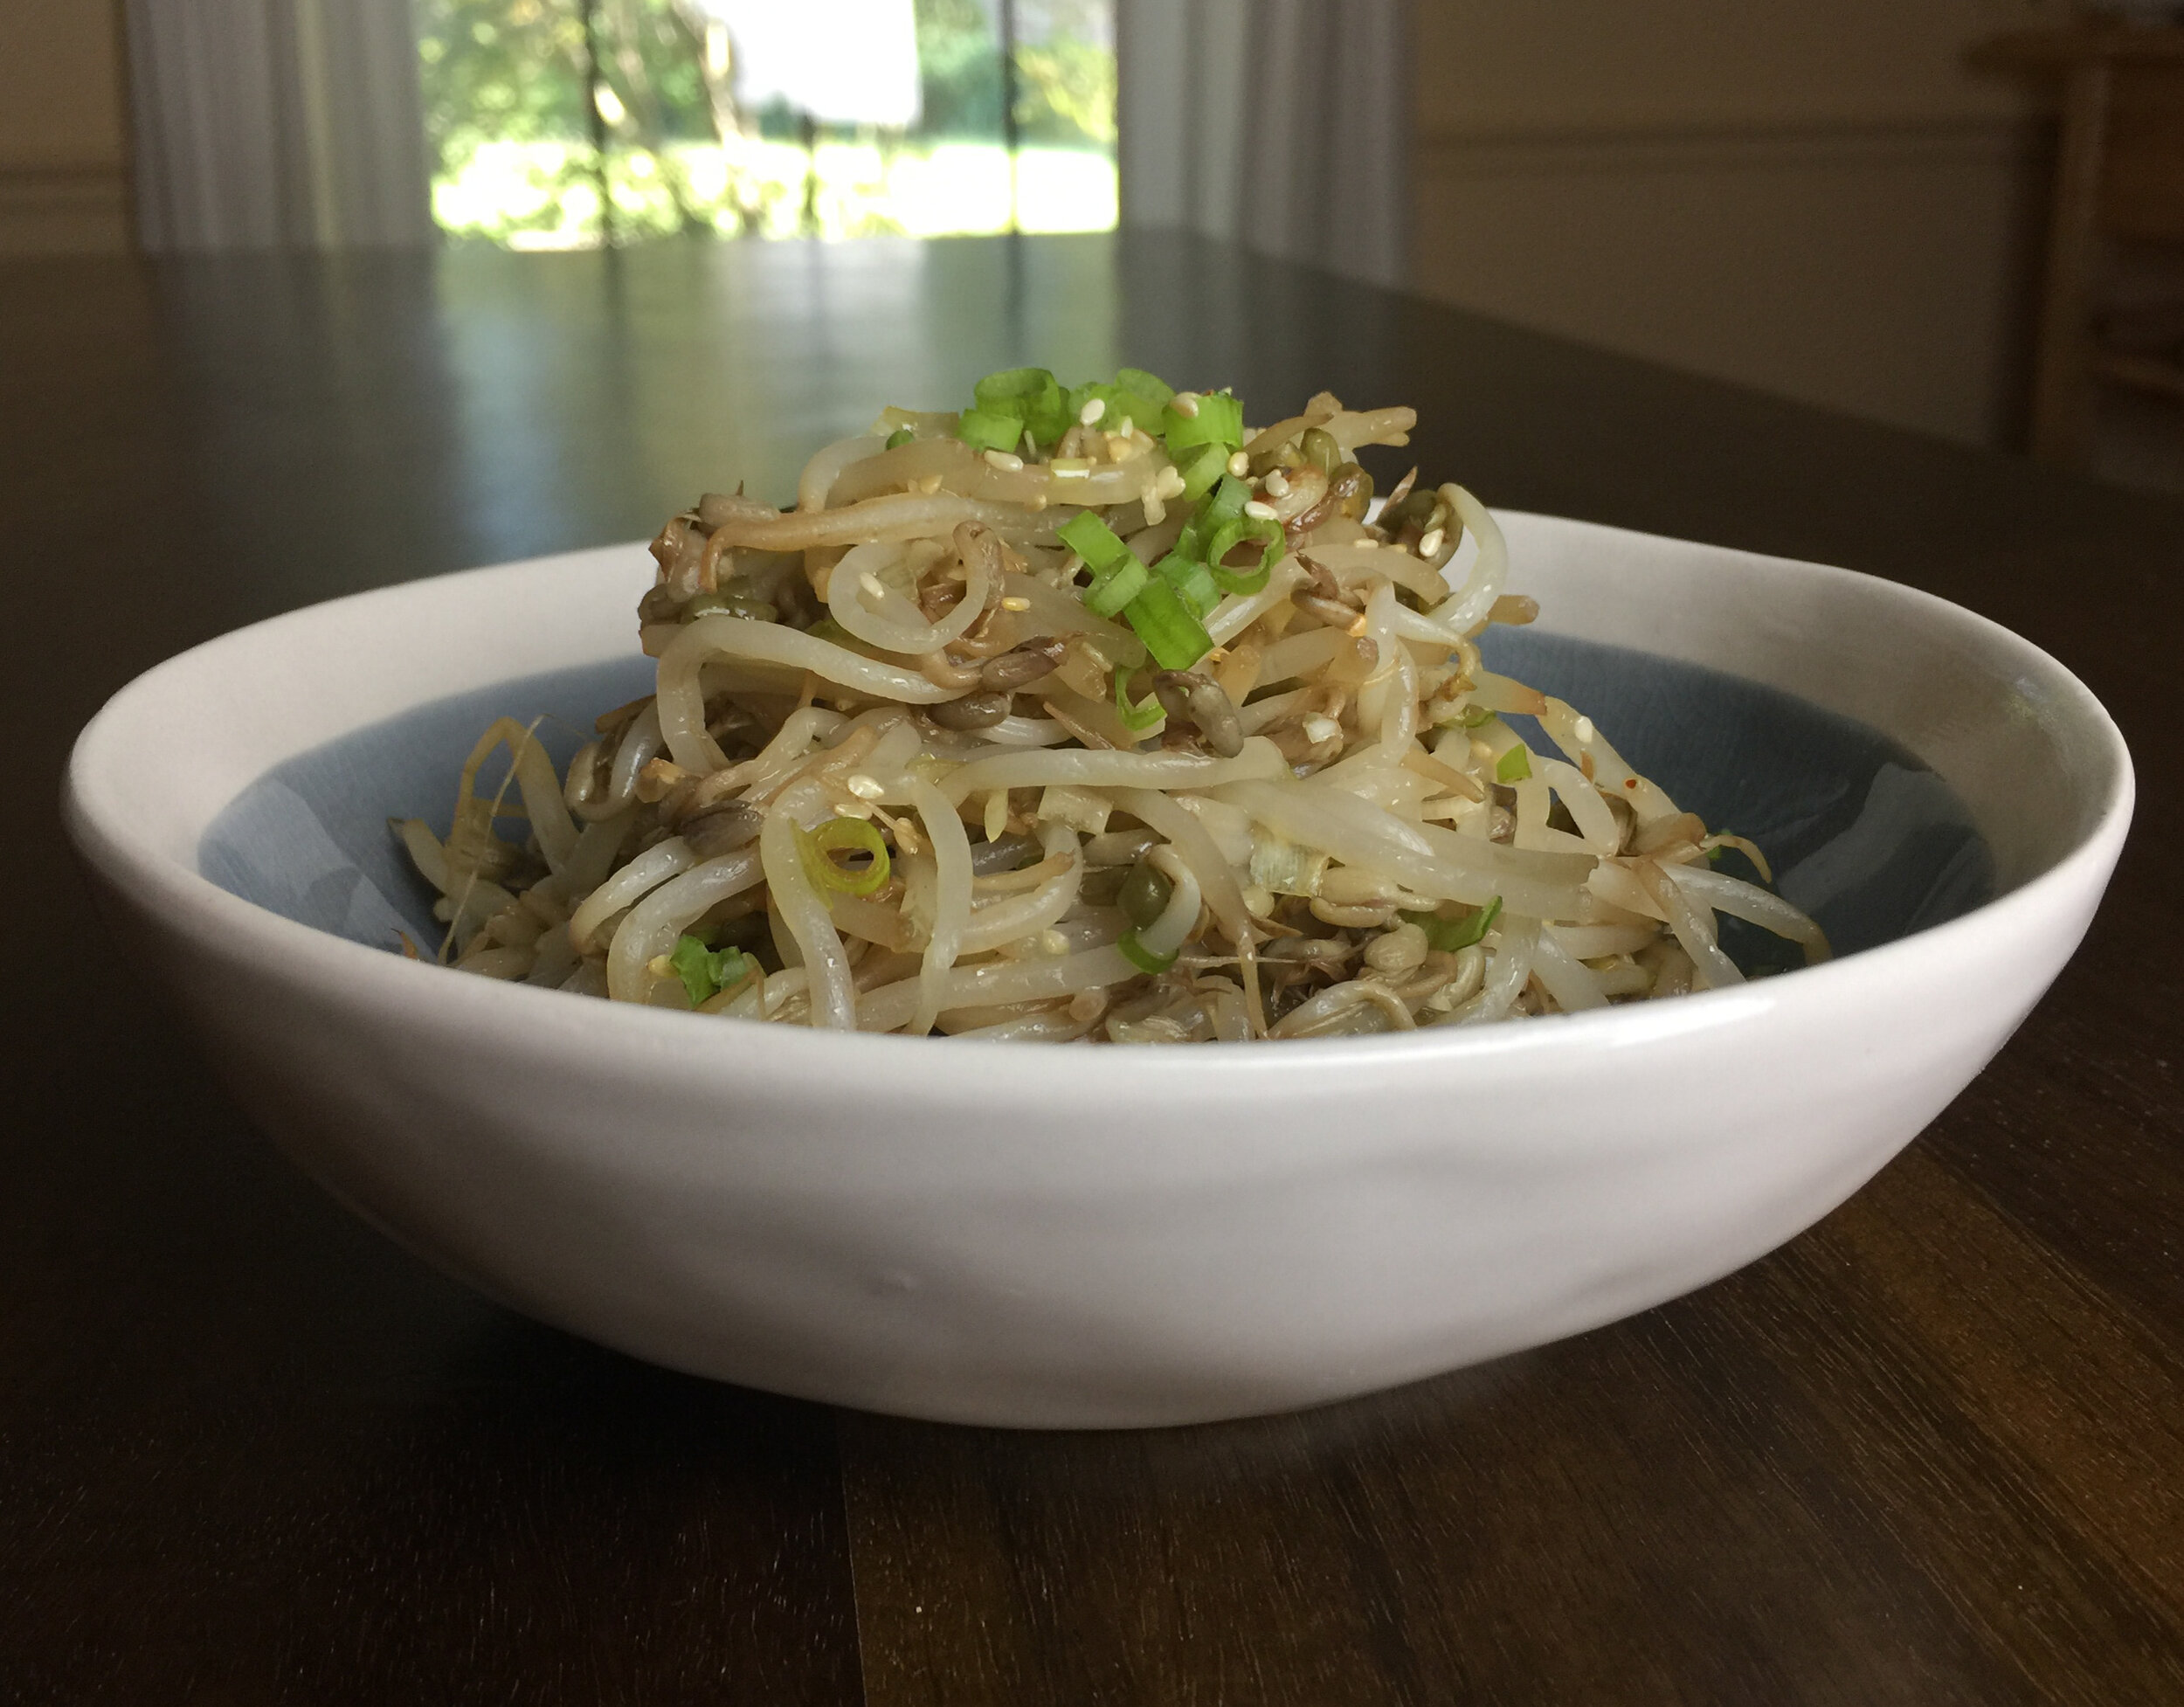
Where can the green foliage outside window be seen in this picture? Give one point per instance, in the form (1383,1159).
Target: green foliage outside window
(510,124)
(959,69)
(1066,93)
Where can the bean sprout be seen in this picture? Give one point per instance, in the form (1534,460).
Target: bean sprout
(1097,786)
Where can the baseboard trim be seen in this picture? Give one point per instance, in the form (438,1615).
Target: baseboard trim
(64,210)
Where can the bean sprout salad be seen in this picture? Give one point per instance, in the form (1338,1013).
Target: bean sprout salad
(1089,714)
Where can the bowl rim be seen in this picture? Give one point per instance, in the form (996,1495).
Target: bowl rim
(214,918)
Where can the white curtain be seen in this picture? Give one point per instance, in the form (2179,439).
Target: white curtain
(265,124)
(1284,124)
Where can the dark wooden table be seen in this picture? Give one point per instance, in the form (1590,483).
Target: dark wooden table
(1932,1452)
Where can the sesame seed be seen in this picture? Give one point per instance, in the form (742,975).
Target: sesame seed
(1005,462)
(1016,604)
(1275,484)
(1119,449)
(1368,543)
(1185,404)
(1090,415)
(1053,943)
(1127,427)
(1036,502)
(1430,544)
(873,585)
(1240,465)
(864,787)
(1317,729)
(1258,902)
(1155,511)
(1169,483)
(660,966)
(930,485)
(1259,512)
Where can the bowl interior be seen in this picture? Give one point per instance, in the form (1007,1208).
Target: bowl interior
(1862,835)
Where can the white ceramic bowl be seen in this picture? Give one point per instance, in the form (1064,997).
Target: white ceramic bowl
(1104,1237)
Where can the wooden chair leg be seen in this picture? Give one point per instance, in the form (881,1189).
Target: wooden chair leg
(2063,376)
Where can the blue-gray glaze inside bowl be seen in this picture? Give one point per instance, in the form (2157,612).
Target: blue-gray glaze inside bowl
(309,840)
(1863,837)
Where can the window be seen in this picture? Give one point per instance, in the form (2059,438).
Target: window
(571,123)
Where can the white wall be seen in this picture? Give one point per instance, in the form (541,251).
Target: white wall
(1815,198)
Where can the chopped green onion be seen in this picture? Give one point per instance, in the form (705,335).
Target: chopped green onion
(1713,856)
(843,835)
(705,974)
(1202,466)
(899,438)
(1220,420)
(1091,539)
(1229,497)
(1449,935)
(1246,582)
(1193,580)
(1149,386)
(1140,413)
(1514,766)
(1141,956)
(1014,388)
(1115,583)
(1136,718)
(693,962)
(1176,637)
(1223,504)
(1033,396)
(1122,404)
(1231,533)
(989,429)
(1077,396)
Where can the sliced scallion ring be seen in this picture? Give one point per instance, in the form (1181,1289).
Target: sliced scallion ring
(843,835)
(1141,956)
(1141,717)
(1115,584)
(1234,533)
